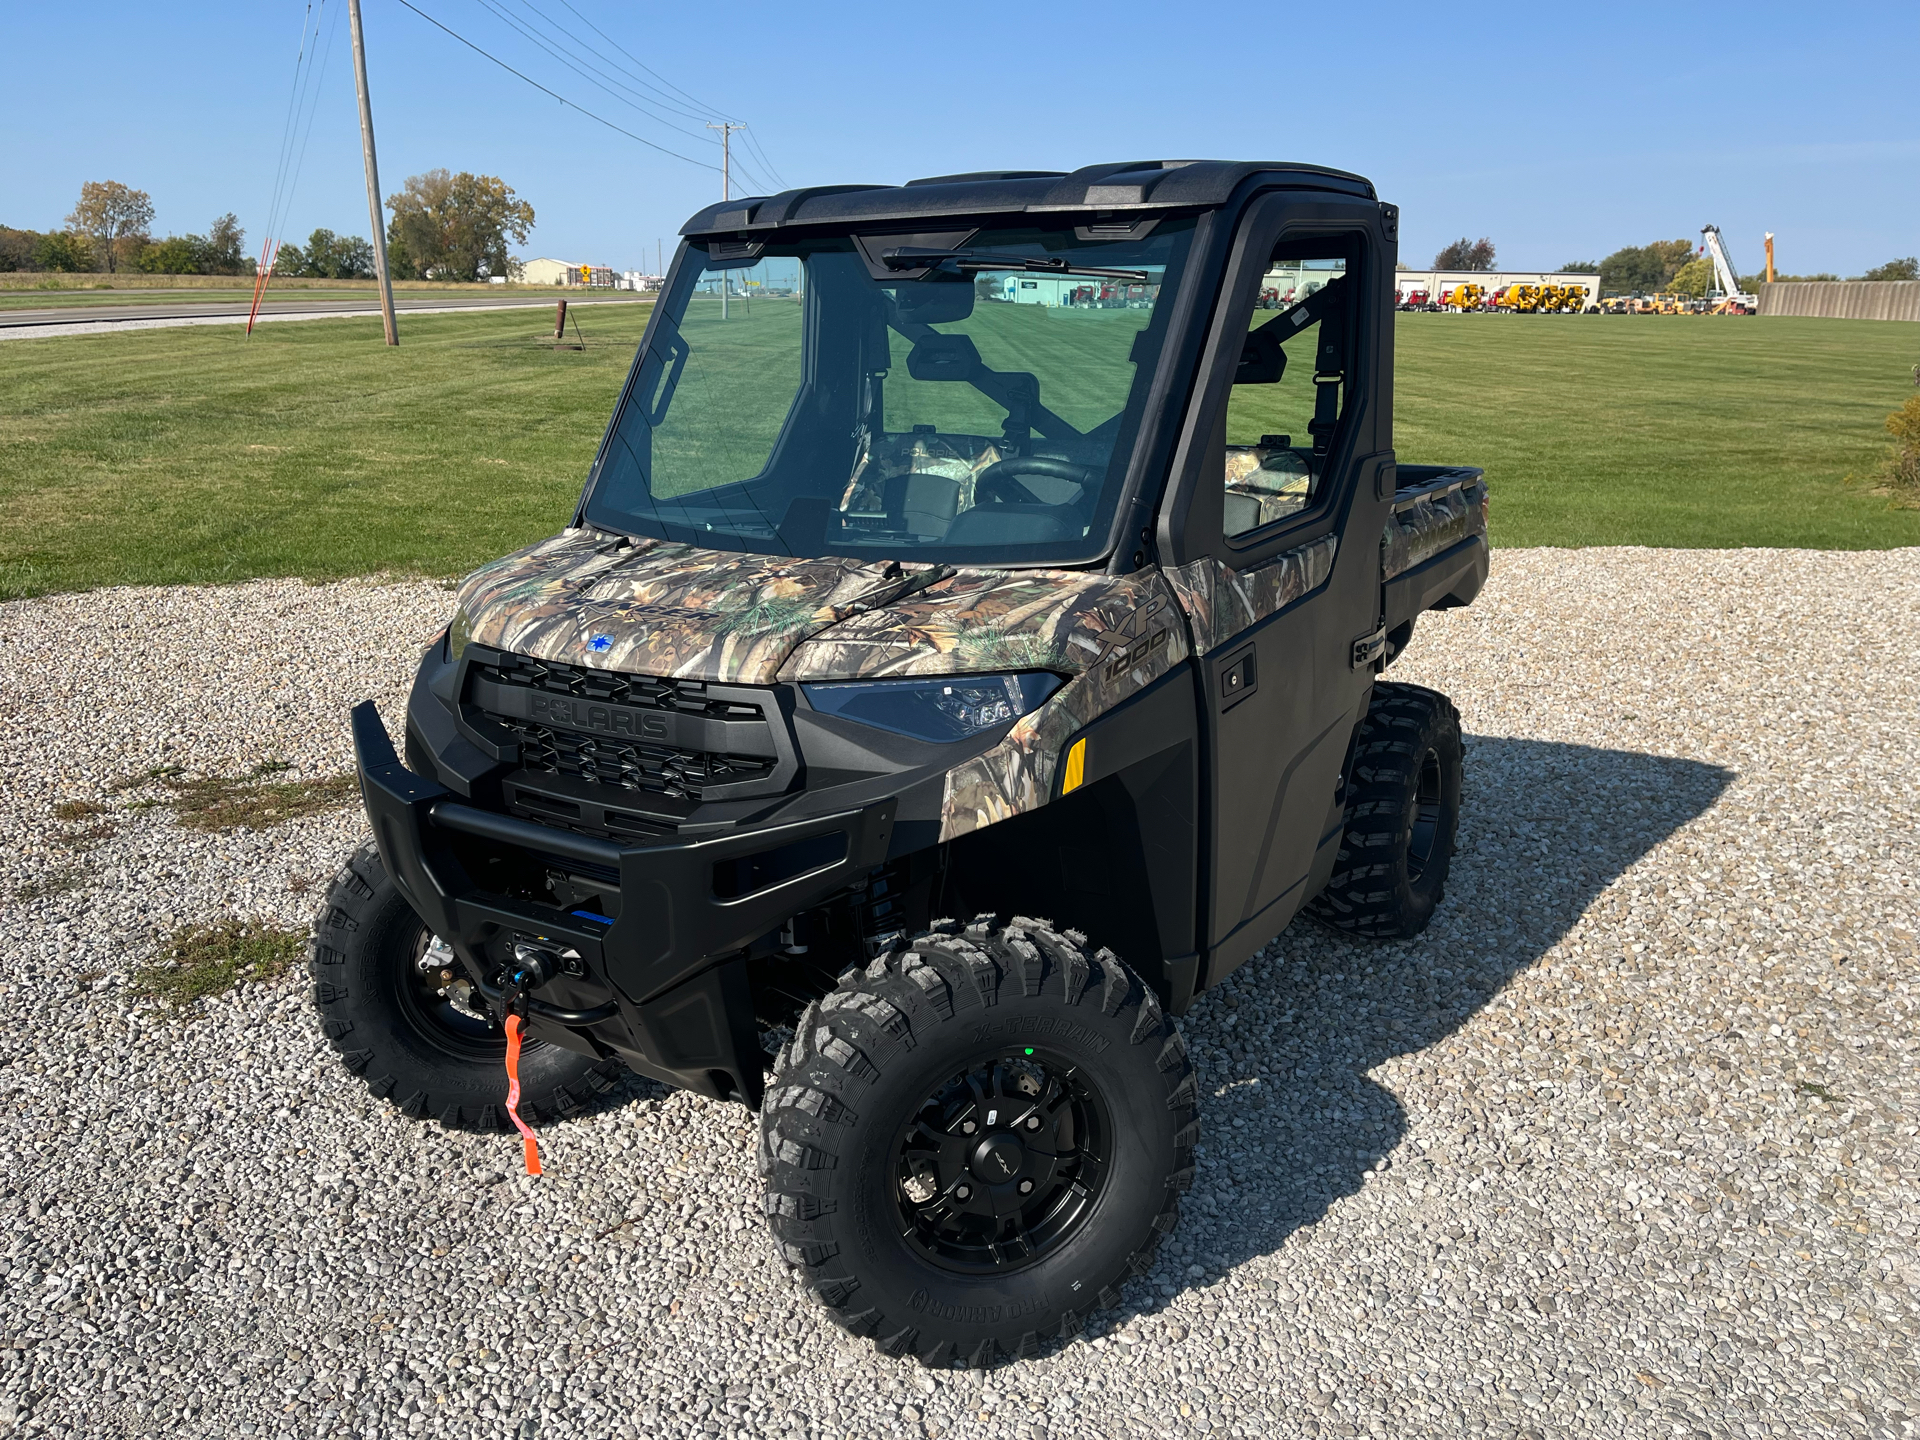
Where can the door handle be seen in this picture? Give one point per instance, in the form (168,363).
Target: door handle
(1239,677)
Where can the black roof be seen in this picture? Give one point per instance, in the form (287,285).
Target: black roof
(1132,185)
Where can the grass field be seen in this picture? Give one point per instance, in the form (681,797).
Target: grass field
(193,455)
(242,291)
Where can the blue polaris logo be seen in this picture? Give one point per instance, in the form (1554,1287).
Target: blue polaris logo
(600,643)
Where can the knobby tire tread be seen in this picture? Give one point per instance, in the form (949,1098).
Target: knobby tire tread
(352,902)
(840,1050)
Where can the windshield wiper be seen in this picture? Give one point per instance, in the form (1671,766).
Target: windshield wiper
(912,257)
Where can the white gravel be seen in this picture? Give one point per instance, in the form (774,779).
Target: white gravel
(1624,1146)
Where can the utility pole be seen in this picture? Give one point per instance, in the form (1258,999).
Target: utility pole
(373,174)
(726,129)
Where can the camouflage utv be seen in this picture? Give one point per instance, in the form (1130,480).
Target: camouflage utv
(965,651)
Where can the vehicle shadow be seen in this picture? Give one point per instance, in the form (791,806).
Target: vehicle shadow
(1291,1121)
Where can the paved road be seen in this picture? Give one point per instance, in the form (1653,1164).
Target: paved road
(24,324)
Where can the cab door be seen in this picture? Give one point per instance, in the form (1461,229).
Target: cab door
(1271,538)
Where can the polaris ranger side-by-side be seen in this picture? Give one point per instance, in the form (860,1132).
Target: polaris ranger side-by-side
(1010,564)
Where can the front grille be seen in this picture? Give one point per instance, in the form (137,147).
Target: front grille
(646,692)
(661,769)
(622,761)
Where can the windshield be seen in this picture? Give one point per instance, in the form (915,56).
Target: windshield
(969,398)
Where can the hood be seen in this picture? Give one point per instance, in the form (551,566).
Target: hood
(650,607)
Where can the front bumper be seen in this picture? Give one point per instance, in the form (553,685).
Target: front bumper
(662,984)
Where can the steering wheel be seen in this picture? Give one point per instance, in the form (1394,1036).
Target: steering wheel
(998,483)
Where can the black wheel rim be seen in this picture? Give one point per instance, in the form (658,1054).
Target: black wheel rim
(429,1003)
(1002,1164)
(1426,816)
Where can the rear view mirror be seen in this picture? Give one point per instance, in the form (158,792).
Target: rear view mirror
(1262,361)
(944,357)
(934,301)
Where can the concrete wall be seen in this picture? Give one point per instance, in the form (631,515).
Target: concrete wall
(1843,299)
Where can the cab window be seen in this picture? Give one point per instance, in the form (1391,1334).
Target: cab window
(1291,386)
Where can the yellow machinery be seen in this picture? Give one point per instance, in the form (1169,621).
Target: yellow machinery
(1522,299)
(1573,298)
(1466,297)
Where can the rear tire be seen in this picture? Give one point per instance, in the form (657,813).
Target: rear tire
(379,1008)
(1403,810)
(970,1145)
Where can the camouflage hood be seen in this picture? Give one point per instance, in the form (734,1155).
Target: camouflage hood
(649,607)
(652,607)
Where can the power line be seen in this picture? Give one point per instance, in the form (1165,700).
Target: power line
(644,104)
(697,105)
(290,130)
(753,140)
(538,40)
(313,111)
(756,170)
(700,112)
(618,129)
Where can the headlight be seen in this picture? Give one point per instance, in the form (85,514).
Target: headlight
(458,633)
(949,707)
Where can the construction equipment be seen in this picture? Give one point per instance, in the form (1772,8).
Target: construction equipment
(1466,297)
(1562,299)
(1520,299)
(1730,298)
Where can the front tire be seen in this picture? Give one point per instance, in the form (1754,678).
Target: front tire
(971,1144)
(1403,810)
(380,1005)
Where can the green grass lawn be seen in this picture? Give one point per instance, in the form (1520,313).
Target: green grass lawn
(197,455)
(1662,430)
(242,291)
(194,455)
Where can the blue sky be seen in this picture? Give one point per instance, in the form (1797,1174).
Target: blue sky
(1562,138)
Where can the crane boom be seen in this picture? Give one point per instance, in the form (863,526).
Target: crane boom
(1723,270)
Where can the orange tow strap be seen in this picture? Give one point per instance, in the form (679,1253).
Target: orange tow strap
(528,1142)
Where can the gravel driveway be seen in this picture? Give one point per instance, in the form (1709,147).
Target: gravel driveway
(1625,1145)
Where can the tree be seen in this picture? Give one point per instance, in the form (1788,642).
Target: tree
(175,255)
(456,227)
(113,215)
(328,256)
(1644,269)
(400,264)
(1907,269)
(63,250)
(1694,278)
(18,248)
(224,252)
(1752,283)
(1578,267)
(1465,254)
(215,253)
